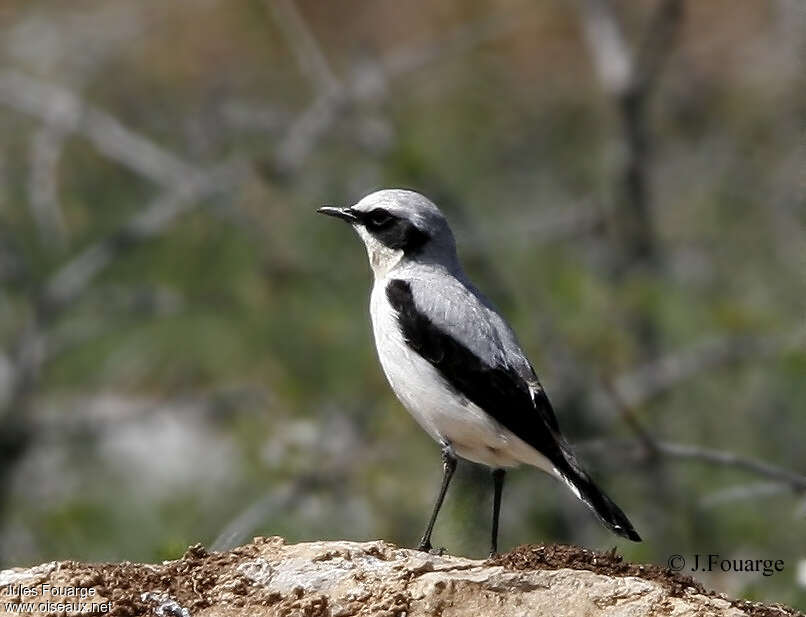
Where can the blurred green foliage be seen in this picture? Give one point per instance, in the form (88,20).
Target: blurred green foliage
(228,361)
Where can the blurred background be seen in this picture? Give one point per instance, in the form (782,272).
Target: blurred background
(185,347)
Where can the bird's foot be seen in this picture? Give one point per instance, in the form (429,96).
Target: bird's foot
(426,547)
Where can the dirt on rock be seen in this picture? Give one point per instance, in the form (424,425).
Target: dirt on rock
(197,580)
(343,579)
(557,556)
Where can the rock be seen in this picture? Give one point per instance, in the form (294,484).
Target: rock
(344,579)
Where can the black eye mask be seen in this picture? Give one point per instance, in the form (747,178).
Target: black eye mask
(378,219)
(393,231)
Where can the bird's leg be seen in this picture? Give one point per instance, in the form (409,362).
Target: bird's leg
(498,487)
(448,467)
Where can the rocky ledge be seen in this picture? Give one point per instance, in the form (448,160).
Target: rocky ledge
(345,579)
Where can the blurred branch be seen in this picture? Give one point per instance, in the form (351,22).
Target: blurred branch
(306,130)
(110,412)
(629,414)
(636,387)
(64,113)
(16,431)
(73,277)
(12,268)
(631,390)
(457,41)
(240,115)
(303,134)
(277,500)
(729,459)
(628,76)
(612,57)
(63,110)
(635,219)
(140,302)
(304,45)
(570,220)
(622,71)
(368,80)
(656,46)
(635,451)
(742,492)
(343,450)
(40,344)
(43,187)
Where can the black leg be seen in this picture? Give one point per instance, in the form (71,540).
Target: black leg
(498,487)
(448,467)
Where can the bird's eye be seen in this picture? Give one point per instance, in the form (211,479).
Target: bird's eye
(379,218)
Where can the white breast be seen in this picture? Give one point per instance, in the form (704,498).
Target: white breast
(444,414)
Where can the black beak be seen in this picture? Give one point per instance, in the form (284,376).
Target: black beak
(346,214)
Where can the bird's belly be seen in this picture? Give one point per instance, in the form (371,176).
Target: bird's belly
(444,413)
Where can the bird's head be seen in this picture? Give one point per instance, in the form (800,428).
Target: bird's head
(397,225)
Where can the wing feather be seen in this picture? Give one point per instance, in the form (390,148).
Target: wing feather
(452,329)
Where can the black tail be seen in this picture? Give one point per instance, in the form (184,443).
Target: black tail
(603,507)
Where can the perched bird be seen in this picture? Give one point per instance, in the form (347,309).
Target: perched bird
(453,361)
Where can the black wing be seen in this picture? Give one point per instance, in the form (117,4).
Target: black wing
(504,394)
(498,390)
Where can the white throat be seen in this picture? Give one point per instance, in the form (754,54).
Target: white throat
(382,259)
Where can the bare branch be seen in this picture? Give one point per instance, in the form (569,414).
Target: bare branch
(304,45)
(109,411)
(569,220)
(742,492)
(12,265)
(305,132)
(64,113)
(656,45)
(43,186)
(366,81)
(140,302)
(242,115)
(729,459)
(7,376)
(621,71)
(634,450)
(63,110)
(628,76)
(640,385)
(72,278)
(458,41)
(279,499)
(612,56)
(630,417)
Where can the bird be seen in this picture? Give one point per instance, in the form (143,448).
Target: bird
(454,362)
